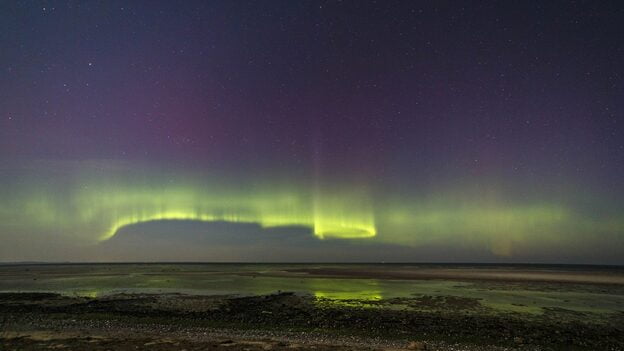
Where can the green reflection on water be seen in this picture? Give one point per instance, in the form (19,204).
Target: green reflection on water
(101,280)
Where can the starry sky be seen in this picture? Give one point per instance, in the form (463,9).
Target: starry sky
(444,131)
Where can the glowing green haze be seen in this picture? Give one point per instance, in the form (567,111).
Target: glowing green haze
(93,208)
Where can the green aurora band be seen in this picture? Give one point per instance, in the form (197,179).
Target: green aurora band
(95,209)
(347,215)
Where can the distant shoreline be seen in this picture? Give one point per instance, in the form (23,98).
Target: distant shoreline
(428,264)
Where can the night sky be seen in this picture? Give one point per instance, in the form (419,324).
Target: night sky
(312,131)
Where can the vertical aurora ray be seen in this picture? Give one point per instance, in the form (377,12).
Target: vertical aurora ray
(350,214)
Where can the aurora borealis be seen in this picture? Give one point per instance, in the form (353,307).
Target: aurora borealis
(312,130)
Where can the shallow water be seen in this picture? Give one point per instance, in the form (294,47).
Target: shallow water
(256,279)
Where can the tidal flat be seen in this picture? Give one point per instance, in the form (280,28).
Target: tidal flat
(311,306)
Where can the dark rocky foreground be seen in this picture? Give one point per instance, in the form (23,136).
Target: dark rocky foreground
(287,321)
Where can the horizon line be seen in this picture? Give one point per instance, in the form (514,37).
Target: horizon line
(307,262)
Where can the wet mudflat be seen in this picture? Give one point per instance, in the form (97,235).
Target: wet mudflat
(251,307)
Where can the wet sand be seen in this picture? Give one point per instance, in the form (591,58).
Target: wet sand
(503,273)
